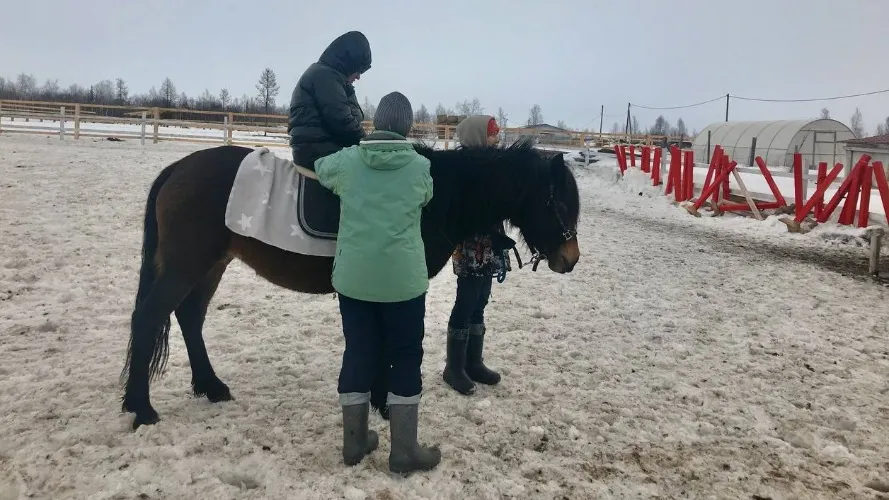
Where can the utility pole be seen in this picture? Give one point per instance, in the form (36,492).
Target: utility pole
(727,97)
(627,130)
(601,118)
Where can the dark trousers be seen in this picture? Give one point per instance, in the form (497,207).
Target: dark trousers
(379,333)
(473,293)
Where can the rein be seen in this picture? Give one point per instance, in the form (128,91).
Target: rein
(567,234)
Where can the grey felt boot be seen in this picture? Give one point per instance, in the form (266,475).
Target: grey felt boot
(455,365)
(407,455)
(475,365)
(358,441)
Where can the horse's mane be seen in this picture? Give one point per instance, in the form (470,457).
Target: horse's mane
(492,180)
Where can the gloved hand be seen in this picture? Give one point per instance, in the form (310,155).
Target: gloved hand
(501,243)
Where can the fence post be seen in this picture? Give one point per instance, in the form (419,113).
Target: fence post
(1,117)
(231,127)
(62,123)
(157,124)
(752,152)
(144,123)
(76,122)
(225,130)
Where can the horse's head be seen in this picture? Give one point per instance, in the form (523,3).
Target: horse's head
(478,187)
(548,215)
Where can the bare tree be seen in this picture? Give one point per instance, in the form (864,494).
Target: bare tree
(104,91)
(883,128)
(856,124)
(369,109)
(121,90)
(535,116)
(26,85)
(469,108)
(502,120)
(167,94)
(50,89)
(268,89)
(825,113)
(562,124)
(681,129)
(422,115)
(224,98)
(616,128)
(661,126)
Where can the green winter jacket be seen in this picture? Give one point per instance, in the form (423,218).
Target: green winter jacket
(383,184)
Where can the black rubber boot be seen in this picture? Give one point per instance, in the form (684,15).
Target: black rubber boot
(475,366)
(407,455)
(455,365)
(358,441)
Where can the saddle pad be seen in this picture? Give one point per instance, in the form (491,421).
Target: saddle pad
(318,209)
(263,205)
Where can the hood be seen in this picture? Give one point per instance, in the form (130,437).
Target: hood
(473,130)
(386,151)
(349,53)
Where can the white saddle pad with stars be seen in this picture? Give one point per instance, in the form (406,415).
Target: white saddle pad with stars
(262,205)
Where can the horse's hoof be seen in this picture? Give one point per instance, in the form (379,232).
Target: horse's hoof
(215,390)
(220,397)
(146,418)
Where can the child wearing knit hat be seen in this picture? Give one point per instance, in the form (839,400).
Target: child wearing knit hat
(477,261)
(381,278)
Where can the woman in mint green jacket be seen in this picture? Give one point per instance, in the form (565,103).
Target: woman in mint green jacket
(380,275)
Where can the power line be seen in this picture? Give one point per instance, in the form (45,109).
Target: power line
(811,100)
(679,107)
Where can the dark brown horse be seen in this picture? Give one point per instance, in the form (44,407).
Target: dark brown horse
(187,246)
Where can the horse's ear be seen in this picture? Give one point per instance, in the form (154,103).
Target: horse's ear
(557,165)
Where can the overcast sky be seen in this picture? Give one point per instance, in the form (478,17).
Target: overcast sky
(569,56)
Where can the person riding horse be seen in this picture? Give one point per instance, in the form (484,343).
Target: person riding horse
(324,113)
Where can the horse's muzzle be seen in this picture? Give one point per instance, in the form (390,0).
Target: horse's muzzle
(564,260)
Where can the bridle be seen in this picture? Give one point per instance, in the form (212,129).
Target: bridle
(536,254)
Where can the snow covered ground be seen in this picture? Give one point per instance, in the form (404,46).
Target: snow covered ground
(683,358)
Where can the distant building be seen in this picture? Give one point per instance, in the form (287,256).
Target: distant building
(877,147)
(544,133)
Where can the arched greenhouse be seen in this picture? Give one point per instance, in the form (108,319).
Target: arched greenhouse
(776,141)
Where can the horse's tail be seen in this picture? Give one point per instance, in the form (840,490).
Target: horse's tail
(147,277)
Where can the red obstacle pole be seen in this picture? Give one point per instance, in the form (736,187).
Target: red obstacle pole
(866,184)
(819,194)
(678,186)
(771,181)
(798,201)
(844,188)
(711,170)
(621,159)
(671,179)
(718,175)
(822,173)
(646,159)
(717,183)
(689,175)
(882,187)
(847,214)
(656,168)
(632,155)
(726,190)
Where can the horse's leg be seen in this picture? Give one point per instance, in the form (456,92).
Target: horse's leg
(191,314)
(149,346)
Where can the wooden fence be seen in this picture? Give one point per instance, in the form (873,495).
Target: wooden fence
(214,127)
